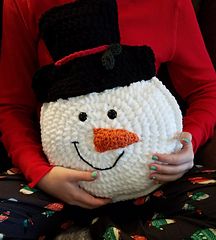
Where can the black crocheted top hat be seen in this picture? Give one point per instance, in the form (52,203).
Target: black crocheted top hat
(84,41)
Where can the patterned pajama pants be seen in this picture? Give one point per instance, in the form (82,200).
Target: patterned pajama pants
(181,210)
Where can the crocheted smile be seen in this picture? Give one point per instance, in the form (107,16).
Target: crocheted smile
(91,165)
(109,139)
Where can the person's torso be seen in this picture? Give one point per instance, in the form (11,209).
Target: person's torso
(151,22)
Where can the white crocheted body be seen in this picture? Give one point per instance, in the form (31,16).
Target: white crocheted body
(146,108)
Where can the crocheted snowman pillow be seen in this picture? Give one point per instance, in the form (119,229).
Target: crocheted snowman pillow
(103,107)
(114,132)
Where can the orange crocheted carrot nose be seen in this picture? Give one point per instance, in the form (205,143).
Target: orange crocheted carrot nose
(110,139)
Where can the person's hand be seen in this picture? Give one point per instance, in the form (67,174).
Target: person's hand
(63,184)
(170,167)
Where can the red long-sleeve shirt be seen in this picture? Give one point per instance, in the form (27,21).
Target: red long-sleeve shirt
(168,26)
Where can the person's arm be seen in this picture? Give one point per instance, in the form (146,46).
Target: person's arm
(194,79)
(193,76)
(18,62)
(17,107)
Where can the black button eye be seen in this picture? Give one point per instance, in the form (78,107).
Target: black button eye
(82,116)
(112,114)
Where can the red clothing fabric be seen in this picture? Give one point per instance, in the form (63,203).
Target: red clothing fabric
(168,26)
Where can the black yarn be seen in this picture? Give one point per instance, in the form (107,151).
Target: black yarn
(108,58)
(87,74)
(79,26)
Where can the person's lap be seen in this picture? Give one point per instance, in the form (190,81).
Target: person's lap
(175,211)
(27,213)
(183,209)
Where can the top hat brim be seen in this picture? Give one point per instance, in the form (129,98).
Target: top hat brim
(88,74)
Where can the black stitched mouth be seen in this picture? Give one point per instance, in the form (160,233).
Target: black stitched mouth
(101,169)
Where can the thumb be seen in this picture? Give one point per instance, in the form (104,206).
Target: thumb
(84,175)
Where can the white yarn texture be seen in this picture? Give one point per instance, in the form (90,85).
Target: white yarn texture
(146,108)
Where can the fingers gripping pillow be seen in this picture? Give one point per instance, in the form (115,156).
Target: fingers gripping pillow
(103,107)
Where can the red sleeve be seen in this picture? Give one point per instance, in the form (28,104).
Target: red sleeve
(193,76)
(18,62)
